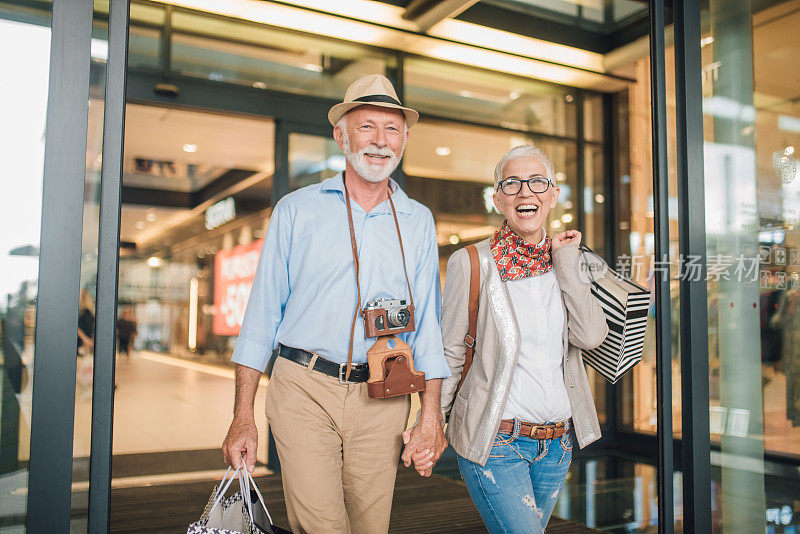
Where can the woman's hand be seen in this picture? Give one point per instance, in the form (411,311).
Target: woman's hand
(566,238)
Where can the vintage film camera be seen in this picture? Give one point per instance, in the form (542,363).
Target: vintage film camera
(391,364)
(387,317)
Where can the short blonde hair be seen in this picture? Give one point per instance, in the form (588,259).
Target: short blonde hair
(524,151)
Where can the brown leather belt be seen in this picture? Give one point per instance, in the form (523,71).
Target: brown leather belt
(531,430)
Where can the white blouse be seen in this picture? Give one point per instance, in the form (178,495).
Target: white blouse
(538,393)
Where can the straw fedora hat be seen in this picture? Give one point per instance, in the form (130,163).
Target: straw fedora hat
(371,90)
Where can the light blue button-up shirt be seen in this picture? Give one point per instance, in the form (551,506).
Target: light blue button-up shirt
(304,292)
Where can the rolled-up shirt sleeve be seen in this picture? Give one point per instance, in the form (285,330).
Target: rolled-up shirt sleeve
(426,340)
(268,295)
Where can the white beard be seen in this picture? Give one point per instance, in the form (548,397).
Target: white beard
(369,172)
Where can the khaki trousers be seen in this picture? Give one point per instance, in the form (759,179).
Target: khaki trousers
(338,450)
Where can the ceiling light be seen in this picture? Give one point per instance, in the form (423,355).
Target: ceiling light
(443,150)
(140,225)
(190,148)
(555,224)
(513,95)
(151,217)
(154,261)
(454,239)
(560,177)
(569,98)
(789,150)
(599,198)
(567,218)
(706,41)
(568,205)
(259,85)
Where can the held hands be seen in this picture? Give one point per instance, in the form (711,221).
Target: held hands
(241,443)
(566,238)
(424,445)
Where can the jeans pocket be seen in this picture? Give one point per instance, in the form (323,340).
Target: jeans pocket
(566,441)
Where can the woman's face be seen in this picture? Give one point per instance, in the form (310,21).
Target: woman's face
(526,211)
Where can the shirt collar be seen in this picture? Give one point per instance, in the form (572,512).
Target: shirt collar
(544,236)
(401,201)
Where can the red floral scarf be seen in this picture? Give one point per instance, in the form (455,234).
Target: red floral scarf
(516,258)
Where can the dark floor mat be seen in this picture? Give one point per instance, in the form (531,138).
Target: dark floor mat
(155,463)
(435,505)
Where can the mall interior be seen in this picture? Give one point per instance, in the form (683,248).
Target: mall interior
(226,113)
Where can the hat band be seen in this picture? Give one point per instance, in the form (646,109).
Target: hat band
(385,99)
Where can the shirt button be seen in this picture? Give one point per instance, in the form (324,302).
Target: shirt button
(572,386)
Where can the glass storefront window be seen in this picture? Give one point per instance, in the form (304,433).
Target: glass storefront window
(450,169)
(23,106)
(312,159)
(445,90)
(267,58)
(593,117)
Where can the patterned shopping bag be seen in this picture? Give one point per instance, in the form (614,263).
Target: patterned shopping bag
(236,514)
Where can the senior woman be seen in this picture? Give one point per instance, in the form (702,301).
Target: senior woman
(526,389)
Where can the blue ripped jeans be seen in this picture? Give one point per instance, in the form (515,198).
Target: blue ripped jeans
(517,489)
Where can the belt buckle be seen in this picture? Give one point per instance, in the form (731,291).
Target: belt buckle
(342,373)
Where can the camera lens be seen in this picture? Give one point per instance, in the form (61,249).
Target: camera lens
(398,317)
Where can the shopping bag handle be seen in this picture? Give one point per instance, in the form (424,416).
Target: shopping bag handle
(223,489)
(260,497)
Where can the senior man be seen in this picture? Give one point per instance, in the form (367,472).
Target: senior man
(338,447)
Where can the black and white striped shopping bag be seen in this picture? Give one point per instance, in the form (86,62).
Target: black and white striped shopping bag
(625,304)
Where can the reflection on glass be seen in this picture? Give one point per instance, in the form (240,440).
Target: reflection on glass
(267,58)
(594,199)
(457,92)
(312,159)
(23,108)
(636,246)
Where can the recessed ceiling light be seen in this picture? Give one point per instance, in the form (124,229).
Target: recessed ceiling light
(151,217)
(513,95)
(560,176)
(454,239)
(140,225)
(190,148)
(569,98)
(259,85)
(599,198)
(555,224)
(568,205)
(567,217)
(443,150)
(154,261)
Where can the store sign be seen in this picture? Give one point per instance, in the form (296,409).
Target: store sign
(220,213)
(780,516)
(234,272)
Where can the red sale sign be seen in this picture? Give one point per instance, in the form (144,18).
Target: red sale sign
(234,271)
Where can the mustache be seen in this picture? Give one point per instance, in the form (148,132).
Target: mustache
(375,149)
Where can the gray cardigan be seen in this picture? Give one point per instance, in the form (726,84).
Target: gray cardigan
(476,411)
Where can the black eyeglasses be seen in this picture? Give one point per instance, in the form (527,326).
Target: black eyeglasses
(512,186)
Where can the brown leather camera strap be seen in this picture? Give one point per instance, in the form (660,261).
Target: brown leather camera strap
(355,262)
(474,287)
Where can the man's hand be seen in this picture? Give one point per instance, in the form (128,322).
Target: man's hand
(242,438)
(566,238)
(424,445)
(241,442)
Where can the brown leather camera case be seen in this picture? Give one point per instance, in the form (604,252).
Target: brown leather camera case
(391,370)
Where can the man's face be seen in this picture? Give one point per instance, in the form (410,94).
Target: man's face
(526,211)
(374,141)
